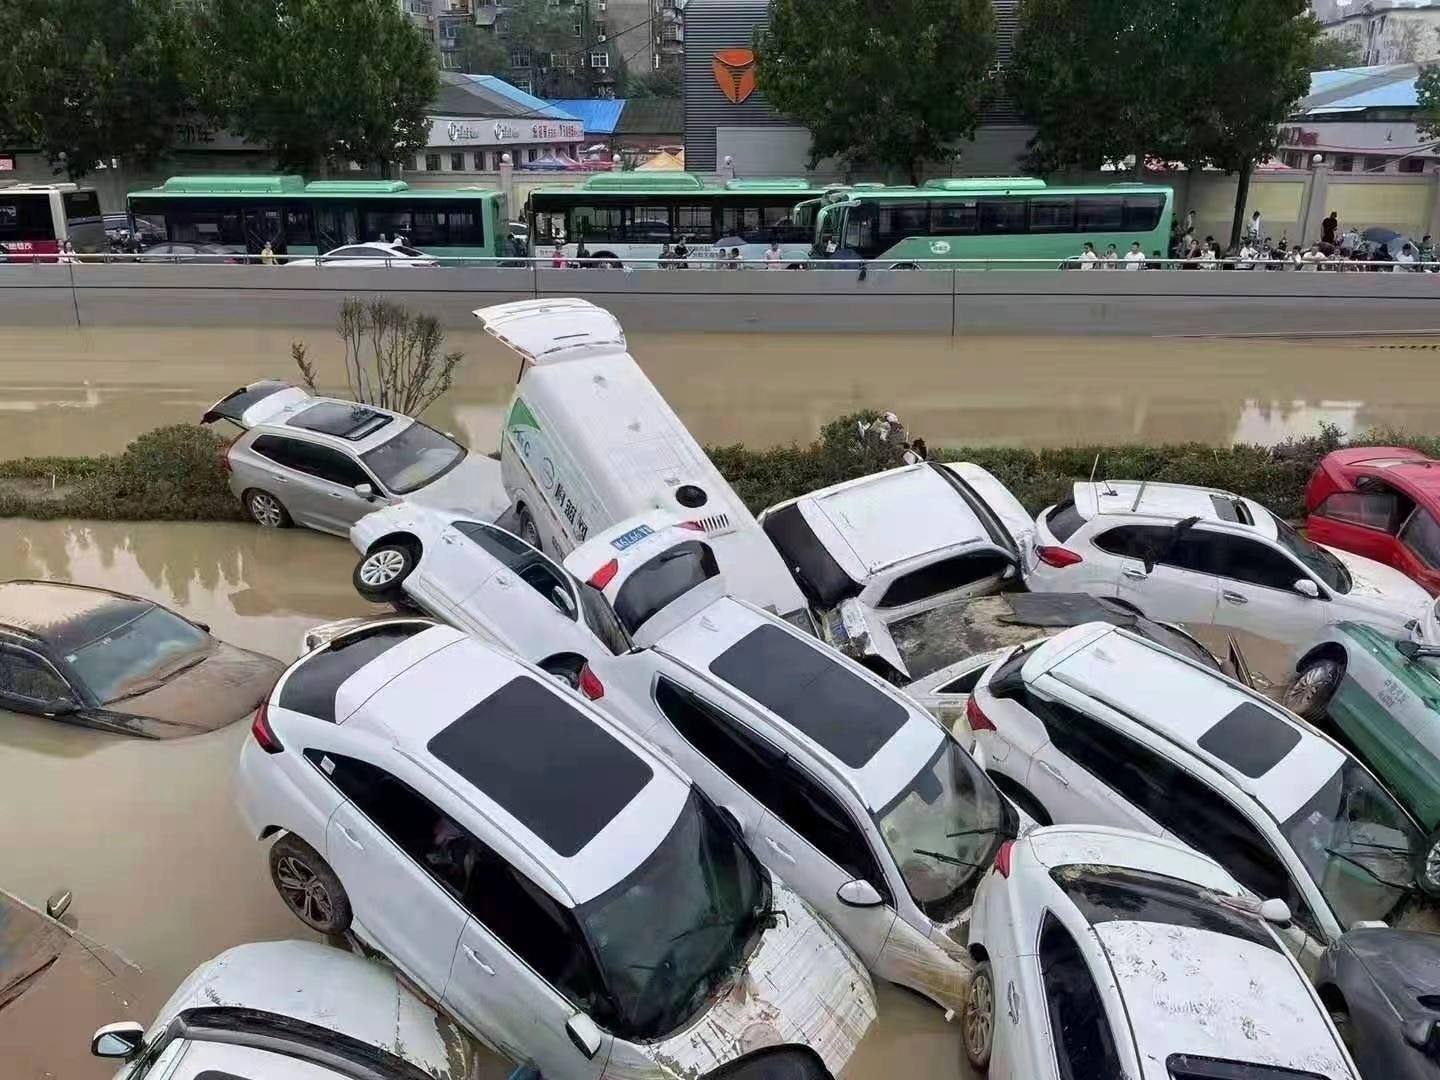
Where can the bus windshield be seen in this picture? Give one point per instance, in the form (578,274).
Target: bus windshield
(36,220)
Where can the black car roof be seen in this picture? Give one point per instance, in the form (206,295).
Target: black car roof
(65,616)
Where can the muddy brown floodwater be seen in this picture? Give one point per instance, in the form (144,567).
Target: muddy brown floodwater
(69,391)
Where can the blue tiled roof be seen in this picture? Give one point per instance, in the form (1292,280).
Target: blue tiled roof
(532,104)
(599,115)
(1353,89)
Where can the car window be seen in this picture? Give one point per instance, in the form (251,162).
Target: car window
(662,579)
(138,655)
(1079,1031)
(965,684)
(511,551)
(1195,1067)
(1372,509)
(305,457)
(1064,520)
(941,577)
(820,577)
(25,675)
(546,581)
(1134,541)
(416,456)
(1421,535)
(600,618)
(1237,558)
(804,805)
(752,762)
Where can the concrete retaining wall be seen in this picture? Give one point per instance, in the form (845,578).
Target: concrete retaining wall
(650,301)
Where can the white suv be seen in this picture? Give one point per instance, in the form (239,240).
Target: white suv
(564,892)
(1201,556)
(1099,726)
(842,785)
(1106,954)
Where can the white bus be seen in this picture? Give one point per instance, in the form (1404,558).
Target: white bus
(36,219)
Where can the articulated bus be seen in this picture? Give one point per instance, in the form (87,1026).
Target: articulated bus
(625,219)
(906,228)
(243,213)
(36,219)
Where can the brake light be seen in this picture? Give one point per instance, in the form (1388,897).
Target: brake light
(263,732)
(1002,858)
(590,684)
(225,456)
(976,718)
(605,574)
(1057,557)
(693,526)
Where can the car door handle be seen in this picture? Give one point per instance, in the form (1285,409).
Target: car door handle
(1234,598)
(1058,776)
(350,836)
(1135,575)
(474,958)
(780,851)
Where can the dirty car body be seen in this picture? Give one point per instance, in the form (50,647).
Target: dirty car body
(1385,985)
(121,663)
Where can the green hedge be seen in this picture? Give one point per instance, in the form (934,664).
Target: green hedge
(175,473)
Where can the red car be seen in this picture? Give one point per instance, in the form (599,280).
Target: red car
(1382,502)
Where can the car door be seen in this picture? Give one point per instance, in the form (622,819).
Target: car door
(29,684)
(1362,522)
(1160,574)
(287,470)
(451,568)
(333,477)
(393,851)
(1257,592)
(1417,553)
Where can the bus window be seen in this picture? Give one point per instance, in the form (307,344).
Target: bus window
(201,224)
(860,229)
(298,233)
(1002,216)
(1052,215)
(742,221)
(954,217)
(594,223)
(1142,212)
(1103,214)
(385,222)
(26,219)
(899,221)
(649,224)
(695,222)
(778,225)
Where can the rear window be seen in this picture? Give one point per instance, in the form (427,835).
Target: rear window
(311,687)
(658,581)
(81,206)
(233,405)
(1250,739)
(341,419)
(810,564)
(812,692)
(1007,678)
(1190,1067)
(544,762)
(1063,520)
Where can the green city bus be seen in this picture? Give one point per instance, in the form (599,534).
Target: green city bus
(243,213)
(1019,218)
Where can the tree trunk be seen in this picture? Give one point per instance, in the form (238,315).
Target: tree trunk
(1140,165)
(1242,193)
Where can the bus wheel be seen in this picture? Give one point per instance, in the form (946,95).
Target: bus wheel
(904,266)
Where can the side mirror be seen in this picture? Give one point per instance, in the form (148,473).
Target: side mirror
(122,1040)
(859,893)
(1275,911)
(1424,1035)
(1306,587)
(365,491)
(1408,649)
(562,600)
(585,1034)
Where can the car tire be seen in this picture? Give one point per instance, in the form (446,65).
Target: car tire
(1340,1017)
(1021,798)
(266,510)
(977,1023)
(308,886)
(526,529)
(1308,695)
(566,668)
(378,577)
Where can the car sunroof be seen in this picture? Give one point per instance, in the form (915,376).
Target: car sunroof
(812,692)
(1250,739)
(544,762)
(342,420)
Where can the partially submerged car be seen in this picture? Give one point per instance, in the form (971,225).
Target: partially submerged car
(291,1009)
(1382,987)
(875,554)
(121,663)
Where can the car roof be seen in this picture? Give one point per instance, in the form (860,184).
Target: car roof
(421,696)
(1098,845)
(1173,502)
(894,753)
(1277,760)
(900,514)
(1404,964)
(66,616)
(292,408)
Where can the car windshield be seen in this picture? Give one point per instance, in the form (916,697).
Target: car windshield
(1322,564)
(672,932)
(409,252)
(943,831)
(136,656)
(1357,845)
(417,456)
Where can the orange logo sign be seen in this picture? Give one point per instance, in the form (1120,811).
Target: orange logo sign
(734,73)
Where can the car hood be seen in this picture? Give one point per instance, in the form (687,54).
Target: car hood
(1403,964)
(224,687)
(474,487)
(801,985)
(1379,588)
(325,986)
(56,987)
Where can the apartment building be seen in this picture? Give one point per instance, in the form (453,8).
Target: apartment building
(1384,31)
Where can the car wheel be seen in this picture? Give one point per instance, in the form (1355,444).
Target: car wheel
(525,528)
(379,575)
(1315,684)
(308,886)
(977,1028)
(1340,1017)
(1427,869)
(266,510)
(564,668)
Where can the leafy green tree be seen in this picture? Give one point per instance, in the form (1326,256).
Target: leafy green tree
(896,83)
(1427,92)
(665,83)
(534,28)
(86,81)
(317,81)
(1332,52)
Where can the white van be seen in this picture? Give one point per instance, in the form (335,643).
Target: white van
(589,442)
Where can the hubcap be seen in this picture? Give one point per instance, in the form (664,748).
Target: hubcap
(1432,866)
(382,568)
(979,1016)
(265,510)
(303,891)
(529,533)
(1307,688)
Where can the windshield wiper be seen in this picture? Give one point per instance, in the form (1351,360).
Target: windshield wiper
(988,830)
(1408,886)
(942,857)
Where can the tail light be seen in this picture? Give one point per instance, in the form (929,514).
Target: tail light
(225,456)
(605,574)
(263,732)
(590,684)
(1002,858)
(1057,557)
(976,718)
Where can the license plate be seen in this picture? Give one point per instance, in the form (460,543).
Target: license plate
(631,538)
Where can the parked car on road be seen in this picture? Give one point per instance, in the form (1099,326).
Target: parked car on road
(875,556)
(369,256)
(120,663)
(283,1009)
(1383,990)
(174,251)
(1099,726)
(1382,502)
(1201,556)
(1106,954)
(563,890)
(324,463)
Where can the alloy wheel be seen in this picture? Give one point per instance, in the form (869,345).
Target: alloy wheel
(1305,692)
(266,510)
(303,891)
(979,1016)
(382,568)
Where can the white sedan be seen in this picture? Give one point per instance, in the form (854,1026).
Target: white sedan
(375,255)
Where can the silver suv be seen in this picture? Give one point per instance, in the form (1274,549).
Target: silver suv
(324,463)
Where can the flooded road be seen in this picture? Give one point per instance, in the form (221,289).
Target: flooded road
(69,391)
(145,833)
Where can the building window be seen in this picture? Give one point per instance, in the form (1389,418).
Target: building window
(599,30)
(1412,165)
(457,162)
(575,29)
(600,61)
(531,154)
(432,162)
(479,160)
(523,84)
(1376,163)
(1345,163)
(449,31)
(520,58)
(450,61)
